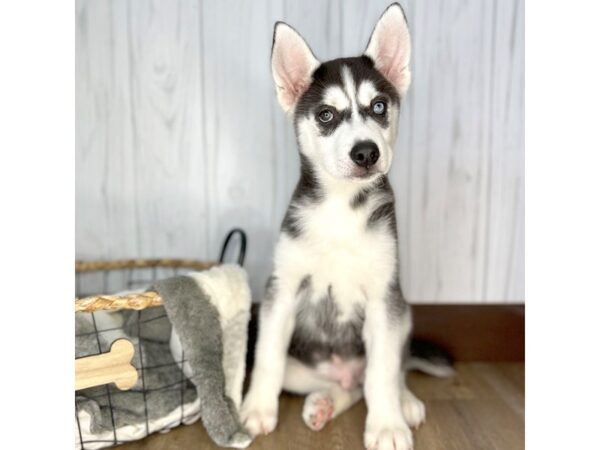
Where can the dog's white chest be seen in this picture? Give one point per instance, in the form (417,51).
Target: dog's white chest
(339,252)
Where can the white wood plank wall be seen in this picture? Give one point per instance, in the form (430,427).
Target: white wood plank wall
(179,137)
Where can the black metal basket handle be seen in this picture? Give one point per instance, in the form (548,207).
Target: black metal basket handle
(242,253)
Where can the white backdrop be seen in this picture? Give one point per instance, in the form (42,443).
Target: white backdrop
(179,136)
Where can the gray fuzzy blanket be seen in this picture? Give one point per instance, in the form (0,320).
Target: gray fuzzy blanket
(192,352)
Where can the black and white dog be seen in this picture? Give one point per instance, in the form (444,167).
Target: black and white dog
(334,323)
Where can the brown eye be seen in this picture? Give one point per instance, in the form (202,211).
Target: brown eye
(379,107)
(326,115)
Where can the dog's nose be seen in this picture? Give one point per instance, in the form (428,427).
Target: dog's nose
(365,153)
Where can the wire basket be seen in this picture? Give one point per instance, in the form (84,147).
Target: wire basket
(106,415)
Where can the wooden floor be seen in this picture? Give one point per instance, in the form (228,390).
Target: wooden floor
(481,408)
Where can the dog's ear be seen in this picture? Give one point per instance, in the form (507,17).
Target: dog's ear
(292,64)
(389,47)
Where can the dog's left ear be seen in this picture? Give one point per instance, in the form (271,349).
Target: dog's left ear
(389,47)
(292,64)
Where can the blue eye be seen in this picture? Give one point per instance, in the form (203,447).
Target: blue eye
(378,107)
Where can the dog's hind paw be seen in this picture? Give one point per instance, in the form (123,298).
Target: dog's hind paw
(318,410)
(413,409)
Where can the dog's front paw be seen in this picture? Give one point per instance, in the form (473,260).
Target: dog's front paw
(389,437)
(258,417)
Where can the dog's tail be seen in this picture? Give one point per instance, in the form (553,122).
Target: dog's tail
(429,358)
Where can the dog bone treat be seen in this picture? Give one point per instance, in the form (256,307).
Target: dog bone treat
(111,367)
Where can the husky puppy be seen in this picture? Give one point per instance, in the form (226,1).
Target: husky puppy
(334,324)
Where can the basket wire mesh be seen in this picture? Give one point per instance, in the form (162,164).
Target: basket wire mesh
(139,274)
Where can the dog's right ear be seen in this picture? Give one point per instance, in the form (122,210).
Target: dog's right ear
(292,64)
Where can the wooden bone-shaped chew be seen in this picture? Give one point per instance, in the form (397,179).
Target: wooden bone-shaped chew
(112,367)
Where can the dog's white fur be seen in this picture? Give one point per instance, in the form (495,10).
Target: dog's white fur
(336,250)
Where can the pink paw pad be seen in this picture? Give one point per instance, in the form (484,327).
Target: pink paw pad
(321,412)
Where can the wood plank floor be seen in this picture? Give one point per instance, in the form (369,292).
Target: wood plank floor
(481,408)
